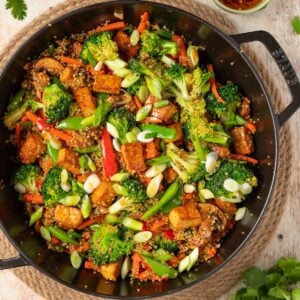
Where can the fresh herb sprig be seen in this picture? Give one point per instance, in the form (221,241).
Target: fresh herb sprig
(272,284)
(18,8)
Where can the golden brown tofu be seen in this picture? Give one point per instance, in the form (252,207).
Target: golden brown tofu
(185,216)
(69,160)
(164,113)
(170,175)
(104,194)
(242,140)
(46,163)
(67,217)
(179,134)
(66,76)
(133,157)
(151,149)
(85,101)
(110,84)
(32,148)
(111,271)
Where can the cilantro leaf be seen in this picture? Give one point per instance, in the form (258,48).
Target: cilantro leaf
(296,294)
(296,24)
(272,279)
(287,264)
(254,278)
(18,8)
(279,293)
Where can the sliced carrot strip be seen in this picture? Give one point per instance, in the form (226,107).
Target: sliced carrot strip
(111,26)
(144,23)
(90,222)
(93,71)
(137,102)
(18,133)
(71,61)
(244,158)
(251,127)
(33,198)
(89,265)
(54,240)
(213,85)
(60,134)
(31,117)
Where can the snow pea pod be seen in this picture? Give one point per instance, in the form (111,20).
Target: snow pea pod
(36,216)
(87,149)
(169,194)
(161,132)
(160,268)
(62,235)
(72,123)
(53,153)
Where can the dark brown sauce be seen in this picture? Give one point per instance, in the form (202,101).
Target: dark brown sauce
(241,4)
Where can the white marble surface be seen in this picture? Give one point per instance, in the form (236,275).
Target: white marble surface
(275,19)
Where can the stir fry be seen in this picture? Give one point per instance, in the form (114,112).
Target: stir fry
(134,159)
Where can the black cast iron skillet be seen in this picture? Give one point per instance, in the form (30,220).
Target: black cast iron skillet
(230,64)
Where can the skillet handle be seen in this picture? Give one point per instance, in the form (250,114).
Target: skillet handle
(13,262)
(282,62)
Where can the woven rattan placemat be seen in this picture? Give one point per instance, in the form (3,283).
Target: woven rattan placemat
(221,281)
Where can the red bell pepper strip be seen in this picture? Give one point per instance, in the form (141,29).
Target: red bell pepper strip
(109,156)
(169,234)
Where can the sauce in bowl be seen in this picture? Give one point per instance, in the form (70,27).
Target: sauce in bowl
(241,4)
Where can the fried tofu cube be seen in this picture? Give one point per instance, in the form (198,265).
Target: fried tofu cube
(32,148)
(165,113)
(67,217)
(179,133)
(169,175)
(69,160)
(133,157)
(104,194)
(110,84)
(111,271)
(66,76)
(85,101)
(151,149)
(185,216)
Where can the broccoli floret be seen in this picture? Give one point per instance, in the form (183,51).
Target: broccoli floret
(51,189)
(196,123)
(176,73)
(200,83)
(154,83)
(154,45)
(123,120)
(226,112)
(234,170)
(168,245)
(186,164)
(99,47)
(140,67)
(77,188)
(56,102)
(106,245)
(27,175)
(18,106)
(136,192)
